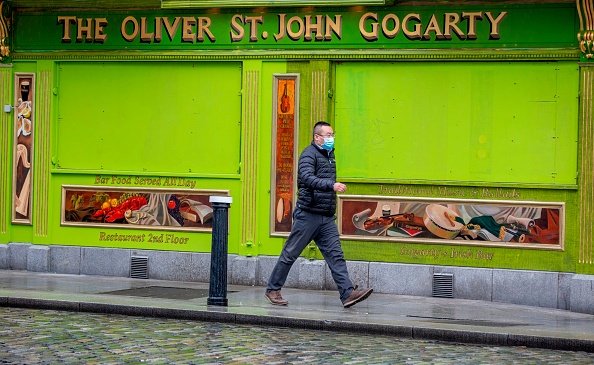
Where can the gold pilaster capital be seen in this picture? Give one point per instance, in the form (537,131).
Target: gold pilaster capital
(5,28)
(585,9)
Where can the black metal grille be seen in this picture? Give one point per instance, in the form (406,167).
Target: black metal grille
(139,267)
(443,285)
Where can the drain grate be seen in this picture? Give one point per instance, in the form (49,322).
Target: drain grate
(443,285)
(164,292)
(139,267)
(469,322)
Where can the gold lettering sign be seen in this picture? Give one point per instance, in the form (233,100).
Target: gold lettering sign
(308,28)
(413,27)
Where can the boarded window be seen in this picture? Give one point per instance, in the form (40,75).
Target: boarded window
(161,117)
(458,121)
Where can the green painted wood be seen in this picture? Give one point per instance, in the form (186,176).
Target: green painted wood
(110,4)
(85,4)
(465,122)
(520,26)
(265,244)
(149,117)
(198,4)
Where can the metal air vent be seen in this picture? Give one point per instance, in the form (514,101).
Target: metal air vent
(139,267)
(443,285)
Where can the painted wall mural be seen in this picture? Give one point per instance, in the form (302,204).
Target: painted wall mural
(23,154)
(284,153)
(138,208)
(500,223)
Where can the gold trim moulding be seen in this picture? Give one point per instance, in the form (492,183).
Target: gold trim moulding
(93,188)
(524,203)
(335,54)
(197,4)
(89,188)
(443,242)
(146,173)
(465,184)
(515,203)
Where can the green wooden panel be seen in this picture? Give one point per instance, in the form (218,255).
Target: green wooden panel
(162,117)
(525,26)
(475,122)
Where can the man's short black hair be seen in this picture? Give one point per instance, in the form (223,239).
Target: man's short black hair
(319,125)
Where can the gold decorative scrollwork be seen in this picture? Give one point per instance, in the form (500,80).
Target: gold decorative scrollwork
(5,22)
(585,10)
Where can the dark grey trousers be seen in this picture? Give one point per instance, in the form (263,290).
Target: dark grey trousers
(323,231)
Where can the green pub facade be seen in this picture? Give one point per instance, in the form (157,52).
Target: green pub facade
(464,134)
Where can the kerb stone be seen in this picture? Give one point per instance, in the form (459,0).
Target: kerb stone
(105,261)
(167,265)
(201,267)
(311,274)
(243,270)
(401,279)
(17,255)
(38,258)
(469,283)
(582,294)
(266,265)
(535,288)
(358,272)
(65,259)
(4,257)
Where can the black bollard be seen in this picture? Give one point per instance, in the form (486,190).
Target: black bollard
(217,292)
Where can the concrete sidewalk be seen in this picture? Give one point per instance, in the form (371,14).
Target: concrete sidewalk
(454,320)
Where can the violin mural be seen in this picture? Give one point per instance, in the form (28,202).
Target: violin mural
(285,101)
(524,224)
(284,135)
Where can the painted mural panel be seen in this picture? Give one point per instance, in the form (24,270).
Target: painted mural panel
(23,154)
(284,142)
(138,208)
(500,223)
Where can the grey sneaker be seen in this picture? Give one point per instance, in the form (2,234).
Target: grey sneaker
(357,296)
(275,297)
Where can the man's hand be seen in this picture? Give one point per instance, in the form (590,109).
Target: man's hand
(339,187)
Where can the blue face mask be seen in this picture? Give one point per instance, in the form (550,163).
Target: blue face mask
(328,143)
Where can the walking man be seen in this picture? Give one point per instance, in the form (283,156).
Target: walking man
(313,219)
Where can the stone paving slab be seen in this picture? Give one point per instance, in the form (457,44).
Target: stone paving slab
(456,320)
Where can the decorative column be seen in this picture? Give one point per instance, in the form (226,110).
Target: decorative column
(5,118)
(586,180)
(41,182)
(5,28)
(586,34)
(6,137)
(585,37)
(249,168)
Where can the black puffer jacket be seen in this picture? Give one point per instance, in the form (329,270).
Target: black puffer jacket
(317,175)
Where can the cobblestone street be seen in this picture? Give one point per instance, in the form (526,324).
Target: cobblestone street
(52,337)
